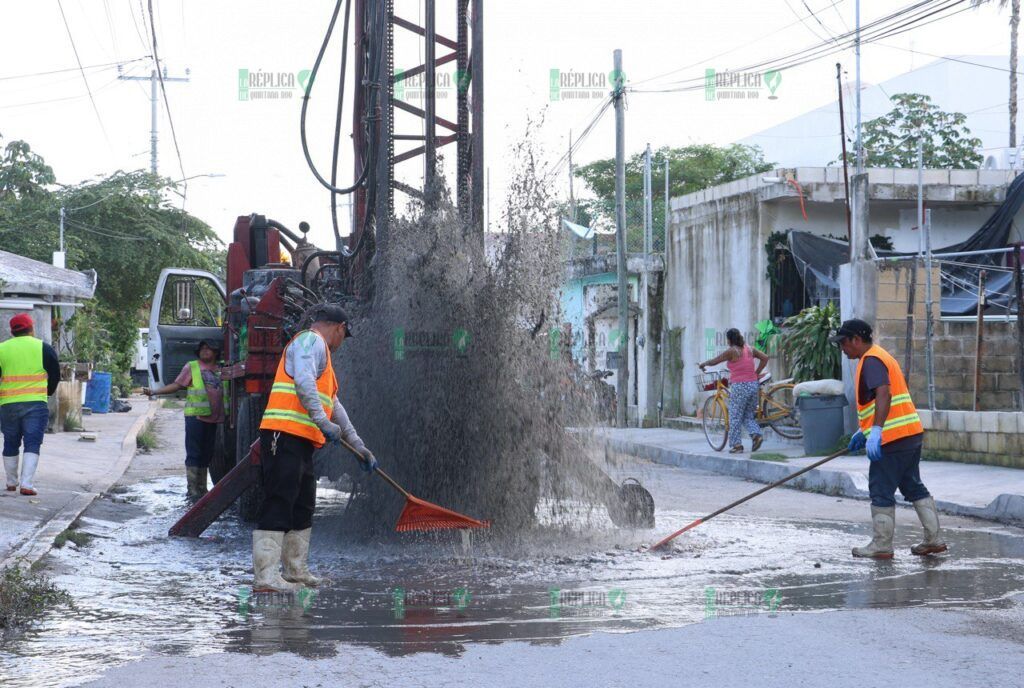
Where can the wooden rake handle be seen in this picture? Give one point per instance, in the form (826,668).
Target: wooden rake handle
(378,470)
(673,536)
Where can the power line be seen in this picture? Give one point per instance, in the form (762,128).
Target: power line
(81,69)
(167,105)
(110,234)
(884,27)
(101,67)
(802,22)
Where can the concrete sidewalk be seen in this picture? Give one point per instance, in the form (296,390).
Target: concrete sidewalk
(988,492)
(71,474)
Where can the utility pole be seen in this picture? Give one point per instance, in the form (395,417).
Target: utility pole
(842,140)
(154,84)
(622,376)
(645,356)
(860,144)
(929,320)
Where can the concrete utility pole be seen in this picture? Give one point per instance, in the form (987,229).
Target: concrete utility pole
(645,355)
(622,375)
(860,144)
(930,322)
(154,84)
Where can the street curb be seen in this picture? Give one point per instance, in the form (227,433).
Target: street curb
(1006,508)
(40,542)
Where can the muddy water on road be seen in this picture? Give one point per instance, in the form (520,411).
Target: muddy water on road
(138,591)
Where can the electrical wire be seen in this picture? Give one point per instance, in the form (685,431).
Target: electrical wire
(81,70)
(101,67)
(110,234)
(558,165)
(884,27)
(167,105)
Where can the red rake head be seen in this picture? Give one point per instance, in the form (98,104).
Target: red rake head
(422,515)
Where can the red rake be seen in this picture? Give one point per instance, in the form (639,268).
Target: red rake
(419,514)
(673,536)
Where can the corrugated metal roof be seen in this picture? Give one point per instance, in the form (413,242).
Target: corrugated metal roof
(29,277)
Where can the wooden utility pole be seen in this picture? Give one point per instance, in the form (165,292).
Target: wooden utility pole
(622,375)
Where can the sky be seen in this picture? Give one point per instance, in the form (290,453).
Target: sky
(244,155)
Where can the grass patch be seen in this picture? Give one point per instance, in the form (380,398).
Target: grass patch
(770,456)
(72,421)
(79,537)
(172,404)
(26,594)
(146,439)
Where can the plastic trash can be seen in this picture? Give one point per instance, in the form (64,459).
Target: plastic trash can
(97,393)
(822,420)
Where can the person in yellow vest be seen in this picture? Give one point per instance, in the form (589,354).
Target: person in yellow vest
(204,411)
(302,414)
(891,431)
(29,373)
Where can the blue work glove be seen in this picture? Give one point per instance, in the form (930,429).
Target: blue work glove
(875,443)
(368,461)
(333,432)
(857,442)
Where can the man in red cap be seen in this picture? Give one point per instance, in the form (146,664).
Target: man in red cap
(29,373)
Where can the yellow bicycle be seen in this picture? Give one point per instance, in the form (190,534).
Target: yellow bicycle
(775,408)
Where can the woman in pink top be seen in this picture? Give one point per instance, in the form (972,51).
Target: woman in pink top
(742,389)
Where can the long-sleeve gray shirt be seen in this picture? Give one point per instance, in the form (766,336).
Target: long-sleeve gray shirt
(305,361)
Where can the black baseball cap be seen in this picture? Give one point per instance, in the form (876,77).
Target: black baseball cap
(851,328)
(330,312)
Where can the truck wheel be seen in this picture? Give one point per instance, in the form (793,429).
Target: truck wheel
(247,430)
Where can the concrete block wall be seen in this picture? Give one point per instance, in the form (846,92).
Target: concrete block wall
(995,438)
(954,345)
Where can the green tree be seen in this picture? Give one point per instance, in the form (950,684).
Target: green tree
(891,140)
(691,168)
(120,226)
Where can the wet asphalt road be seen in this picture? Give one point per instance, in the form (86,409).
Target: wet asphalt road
(745,578)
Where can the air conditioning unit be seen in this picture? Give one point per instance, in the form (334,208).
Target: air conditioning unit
(1002,159)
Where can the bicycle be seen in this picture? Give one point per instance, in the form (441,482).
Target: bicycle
(775,408)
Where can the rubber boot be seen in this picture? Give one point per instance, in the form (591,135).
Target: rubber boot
(29,462)
(883,520)
(196,482)
(11,468)
(266,562)
(296,558)
(929,516)
(201,481)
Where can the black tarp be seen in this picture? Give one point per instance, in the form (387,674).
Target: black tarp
(819,259)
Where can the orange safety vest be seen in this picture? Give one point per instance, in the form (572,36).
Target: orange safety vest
(285,413)
(902,420)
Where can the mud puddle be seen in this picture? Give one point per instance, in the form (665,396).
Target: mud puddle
(137,591)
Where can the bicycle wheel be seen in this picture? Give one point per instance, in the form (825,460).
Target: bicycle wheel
(716,422)
(779,409)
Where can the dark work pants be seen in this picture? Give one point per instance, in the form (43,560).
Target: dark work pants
(200,442)
(289,486)
(902,470)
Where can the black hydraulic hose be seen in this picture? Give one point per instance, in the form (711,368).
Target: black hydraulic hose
(337,123)
(305,103)
(284,230)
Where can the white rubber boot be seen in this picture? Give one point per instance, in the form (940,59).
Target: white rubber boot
(28,471)
(296,558)
(11,468)
(883,520)
(266,562)
(929,517)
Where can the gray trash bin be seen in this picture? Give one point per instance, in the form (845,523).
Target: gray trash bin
(822,419)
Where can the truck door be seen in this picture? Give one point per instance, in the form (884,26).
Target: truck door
(188,307)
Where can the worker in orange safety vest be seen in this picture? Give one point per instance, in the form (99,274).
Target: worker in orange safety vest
(891,431)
